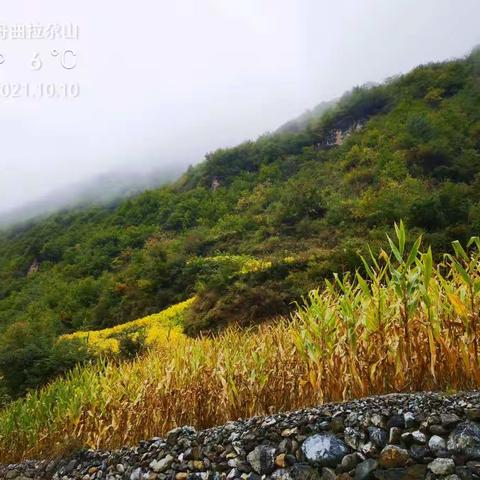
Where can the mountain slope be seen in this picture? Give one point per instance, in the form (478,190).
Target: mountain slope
(301,202)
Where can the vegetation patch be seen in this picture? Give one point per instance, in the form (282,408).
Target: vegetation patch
(157,328)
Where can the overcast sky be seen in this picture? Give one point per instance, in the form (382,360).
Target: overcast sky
(163,82)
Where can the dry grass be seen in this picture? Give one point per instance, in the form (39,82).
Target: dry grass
(408,325)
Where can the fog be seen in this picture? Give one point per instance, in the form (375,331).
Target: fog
(161,83)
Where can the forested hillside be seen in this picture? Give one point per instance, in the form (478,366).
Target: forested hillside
(252,228)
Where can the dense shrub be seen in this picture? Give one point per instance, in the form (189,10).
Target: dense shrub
(30,357)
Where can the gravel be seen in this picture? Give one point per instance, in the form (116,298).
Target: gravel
(392,437)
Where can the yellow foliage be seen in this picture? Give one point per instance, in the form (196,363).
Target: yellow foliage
(158,328)
(254,265)
(245,263)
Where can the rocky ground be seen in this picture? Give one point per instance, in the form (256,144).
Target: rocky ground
(392,437)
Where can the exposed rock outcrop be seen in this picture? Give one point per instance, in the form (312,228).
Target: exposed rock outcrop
(393,437)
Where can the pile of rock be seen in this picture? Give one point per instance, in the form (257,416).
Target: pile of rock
(392,437)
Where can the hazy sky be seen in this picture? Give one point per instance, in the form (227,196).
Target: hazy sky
(164,82)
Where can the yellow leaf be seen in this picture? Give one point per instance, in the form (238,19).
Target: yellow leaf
(458,305)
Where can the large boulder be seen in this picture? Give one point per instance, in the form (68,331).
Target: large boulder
(442,466)
(324,450)
(465,439)
(262,459)
(437,444)
(392,456)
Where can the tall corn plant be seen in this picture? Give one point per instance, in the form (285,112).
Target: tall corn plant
(405,276)
(462,287)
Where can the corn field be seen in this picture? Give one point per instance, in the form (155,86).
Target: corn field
(405,324)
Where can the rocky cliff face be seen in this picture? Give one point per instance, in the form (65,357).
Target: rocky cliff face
(393,437)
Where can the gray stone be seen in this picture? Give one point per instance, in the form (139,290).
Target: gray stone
(302,471)
(324,450)
(442,466)
(173,435)
(378,420)
(419,437)
(418,452)
(449,420)
(233,474)
(136,474)
(262,459)
(437,444)
(349,462)
(409,419)
(285,446)
(162,464)
(364,470)
(465,439)
(354,438)
(369,449)
(281,474)
(378,436)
